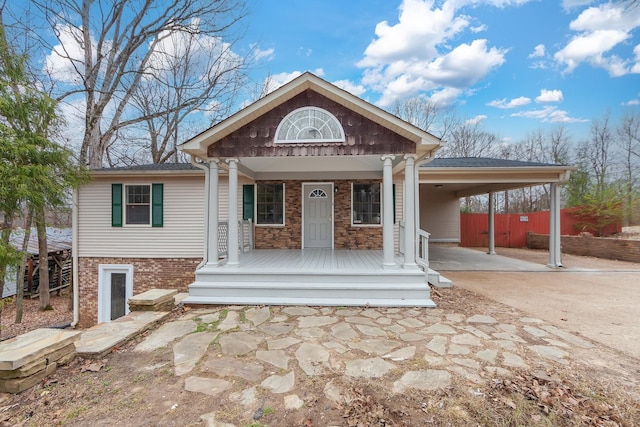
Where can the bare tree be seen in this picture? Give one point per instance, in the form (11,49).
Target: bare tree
(629,139)
(201,75)
(421,112)
(468,139)
(598,150)
(108,49)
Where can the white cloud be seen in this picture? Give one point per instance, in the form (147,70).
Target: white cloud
(350,87)
(475,120)
(445,97)
(601,29)
(548,114)
(274,81)
(419,53)
(571,4)
(420,29)
(549,96)
(478,29)
(631,103)
(61,63)
(514,103)
(538,51)
(259,54)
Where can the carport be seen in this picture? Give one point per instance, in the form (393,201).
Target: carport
(443,181)
(445,257)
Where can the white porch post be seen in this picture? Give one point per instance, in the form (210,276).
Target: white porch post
(409,212)
(232,243)
(555,255)
(492,217)
(212,207)
(387,218)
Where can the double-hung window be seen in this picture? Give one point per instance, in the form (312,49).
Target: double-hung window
(365,202)
(270,204)
(139,204)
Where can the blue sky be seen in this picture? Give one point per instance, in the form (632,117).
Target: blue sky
(516,66)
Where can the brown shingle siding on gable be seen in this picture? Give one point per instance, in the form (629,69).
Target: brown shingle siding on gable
(363,136)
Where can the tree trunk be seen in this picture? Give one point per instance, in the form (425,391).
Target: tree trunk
(7,224)
(23,267)
(43,260)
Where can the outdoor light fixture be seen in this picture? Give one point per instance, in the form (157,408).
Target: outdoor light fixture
(438,186)
(335,190)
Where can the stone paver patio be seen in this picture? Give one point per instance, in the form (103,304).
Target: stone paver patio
(247,353)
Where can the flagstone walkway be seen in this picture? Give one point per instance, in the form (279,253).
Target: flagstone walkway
(249,354)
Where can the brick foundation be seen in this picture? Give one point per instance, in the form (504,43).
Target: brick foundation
(148,273)
(599,247)
(346,236)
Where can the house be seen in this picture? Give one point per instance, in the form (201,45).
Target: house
(308,196)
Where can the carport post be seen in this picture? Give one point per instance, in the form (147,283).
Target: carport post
(555,255)
(492,214)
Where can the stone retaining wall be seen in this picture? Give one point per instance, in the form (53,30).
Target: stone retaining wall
(599,247)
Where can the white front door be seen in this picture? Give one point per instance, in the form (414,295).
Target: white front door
(115,287)
(318,215)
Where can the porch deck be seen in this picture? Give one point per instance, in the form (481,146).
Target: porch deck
(311,277)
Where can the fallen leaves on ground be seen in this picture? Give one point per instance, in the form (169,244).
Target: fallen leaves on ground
(553,396)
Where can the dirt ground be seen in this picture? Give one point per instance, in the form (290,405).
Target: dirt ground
(601,303)
(32,317)
(600,386)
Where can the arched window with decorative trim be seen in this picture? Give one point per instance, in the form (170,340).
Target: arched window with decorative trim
(318,193)
(309,124)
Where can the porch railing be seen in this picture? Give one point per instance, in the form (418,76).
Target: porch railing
(422,256)
(401,237)
(245,236)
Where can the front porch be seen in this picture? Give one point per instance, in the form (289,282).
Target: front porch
(311,277)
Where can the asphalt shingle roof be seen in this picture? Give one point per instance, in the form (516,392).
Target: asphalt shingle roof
(152,167)
(448,162)
(481,162)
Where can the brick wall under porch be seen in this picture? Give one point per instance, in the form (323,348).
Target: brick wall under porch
(148,273)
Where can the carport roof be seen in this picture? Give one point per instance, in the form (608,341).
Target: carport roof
(482,162)
(470,176)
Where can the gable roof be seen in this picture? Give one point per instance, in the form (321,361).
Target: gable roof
(197,145)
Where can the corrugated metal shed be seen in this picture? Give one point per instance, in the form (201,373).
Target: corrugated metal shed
(58,239)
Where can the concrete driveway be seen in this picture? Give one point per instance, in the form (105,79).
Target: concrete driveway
(596,298)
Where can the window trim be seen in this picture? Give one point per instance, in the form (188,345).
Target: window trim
(284,204)
(357,224)
(119,205)
(126,204)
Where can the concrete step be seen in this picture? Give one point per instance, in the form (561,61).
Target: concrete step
(311,293)
(320,276)
(438,280)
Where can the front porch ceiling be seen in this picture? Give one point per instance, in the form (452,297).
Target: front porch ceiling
(338,167)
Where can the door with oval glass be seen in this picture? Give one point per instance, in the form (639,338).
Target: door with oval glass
(318,215)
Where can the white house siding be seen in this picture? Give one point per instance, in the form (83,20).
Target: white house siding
(439,214)
(180,237)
